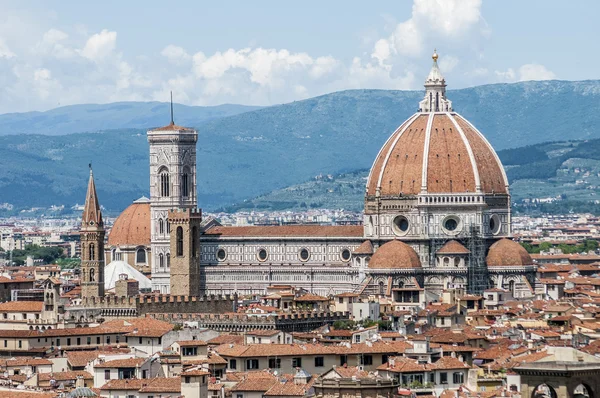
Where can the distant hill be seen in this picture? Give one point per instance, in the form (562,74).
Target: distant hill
(117,115)
(568,171)
(253,153)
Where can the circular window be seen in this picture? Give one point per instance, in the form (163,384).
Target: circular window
(400,225)
(451,225)
(221,254)
(495,224)
(304,254)
(346,255)
(262,255)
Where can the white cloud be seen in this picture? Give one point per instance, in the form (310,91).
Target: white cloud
(432,22)
(175,54)
(524,73)
(535,72)
(448,63)
(54,36)
(40,64)
(5,52)
(100,45)
(508,75)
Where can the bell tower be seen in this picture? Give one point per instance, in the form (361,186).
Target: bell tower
(172,186)
(185,252)
(92,244)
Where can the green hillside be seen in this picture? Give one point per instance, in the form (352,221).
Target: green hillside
(252,153)
(568,170)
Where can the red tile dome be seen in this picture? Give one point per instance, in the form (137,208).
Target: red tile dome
(395,255)
(506,252)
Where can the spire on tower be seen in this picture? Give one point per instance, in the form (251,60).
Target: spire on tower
(435,90)
(172,120)
(92,214)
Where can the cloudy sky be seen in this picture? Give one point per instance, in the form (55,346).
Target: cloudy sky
(55,53)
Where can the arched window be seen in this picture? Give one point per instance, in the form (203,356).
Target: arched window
(179,241)
(161,226)
(113,254)
(381,289)
(92,275)
(165,185)
(185,183)
(161,260)
(168,260)
(168,227)
(92,252)
(140,256)
(194,241)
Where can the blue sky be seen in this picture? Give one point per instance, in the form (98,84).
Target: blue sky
(266,52)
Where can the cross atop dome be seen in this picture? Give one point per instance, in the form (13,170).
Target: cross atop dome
(435,90)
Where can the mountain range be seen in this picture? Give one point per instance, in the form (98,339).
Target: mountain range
(248,152)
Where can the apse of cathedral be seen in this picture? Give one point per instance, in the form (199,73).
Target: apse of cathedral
(436,216)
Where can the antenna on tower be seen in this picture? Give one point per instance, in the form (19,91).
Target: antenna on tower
(172,121)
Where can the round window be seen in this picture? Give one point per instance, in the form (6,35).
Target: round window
(262,255)
(221,254)
(400,225)
(495,224)
(304,254)
(451,225)
(346,255)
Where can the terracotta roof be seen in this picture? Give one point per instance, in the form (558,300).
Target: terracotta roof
(82,358)
(195,372)
(395,255)
(22,306)
(161,385)
(398,168)
(25,361)
(365,248)
(256,383)
(289,231)
(156,385)
(506,252)
(60,376)
(122,363)
(191,343)
(286,389)
(172,127)
(311,297)
(27,394)
(132,227)
(226,339)
(347,372)
(453,247)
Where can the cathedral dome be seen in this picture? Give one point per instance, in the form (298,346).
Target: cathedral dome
(436,151)
(395,255)
(506,252)
(132,227)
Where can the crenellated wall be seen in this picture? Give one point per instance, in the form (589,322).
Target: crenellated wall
(233,322)
(123,307)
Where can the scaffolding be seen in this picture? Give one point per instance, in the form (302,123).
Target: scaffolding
(470,237)
(477,272)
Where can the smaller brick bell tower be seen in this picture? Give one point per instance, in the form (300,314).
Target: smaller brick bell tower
(92,244)
(185,252)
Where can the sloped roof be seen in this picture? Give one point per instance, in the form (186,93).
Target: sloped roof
(116,268)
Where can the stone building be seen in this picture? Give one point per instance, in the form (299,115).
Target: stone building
(437,215)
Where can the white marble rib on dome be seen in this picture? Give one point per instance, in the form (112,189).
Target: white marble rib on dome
(116,268)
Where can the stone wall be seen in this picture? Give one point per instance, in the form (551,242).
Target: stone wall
(297,322)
